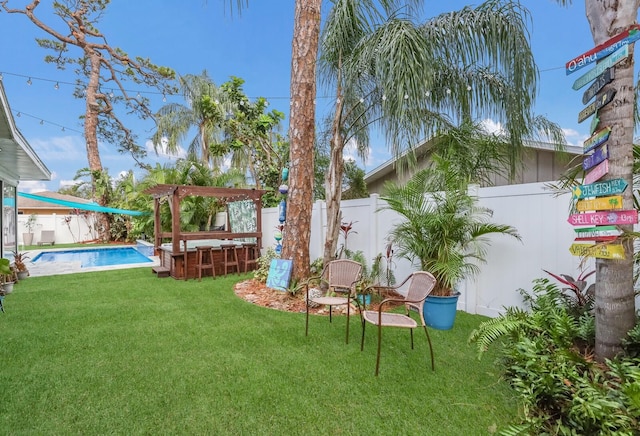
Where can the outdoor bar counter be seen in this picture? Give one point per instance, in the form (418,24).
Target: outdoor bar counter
(179,261)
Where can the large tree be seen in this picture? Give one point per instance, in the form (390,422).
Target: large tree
(103,73)
(413,80)
(614,305)
(306,32)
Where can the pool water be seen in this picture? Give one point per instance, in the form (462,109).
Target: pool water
(94,256)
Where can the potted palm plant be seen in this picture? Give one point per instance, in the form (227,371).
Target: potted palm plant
(19,259)
(6,276)
(444,232)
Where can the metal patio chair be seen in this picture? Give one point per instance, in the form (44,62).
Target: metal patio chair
(341,277)
(420,284)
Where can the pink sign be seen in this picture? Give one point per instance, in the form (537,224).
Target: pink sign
(617,217)
(597,172)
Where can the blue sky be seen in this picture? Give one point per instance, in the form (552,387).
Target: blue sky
(192,36)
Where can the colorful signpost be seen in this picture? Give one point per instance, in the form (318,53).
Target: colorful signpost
(600,203)
(599,155)
(604,100)
(603,50)
(597,172)
(609,61)
(599,83)
(609,187)
(614,217)
(601,251)
(598,138)
(601,233)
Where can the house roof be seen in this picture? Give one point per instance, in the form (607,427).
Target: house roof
(18,161)
(31,203)
(389,167)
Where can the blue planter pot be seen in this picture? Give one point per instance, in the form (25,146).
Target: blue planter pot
(440,312)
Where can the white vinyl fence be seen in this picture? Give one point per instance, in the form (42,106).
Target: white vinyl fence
(538,215)
(68,228)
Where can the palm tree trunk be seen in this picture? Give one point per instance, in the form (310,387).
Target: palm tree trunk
(306,32)
(333,180)
(614,304)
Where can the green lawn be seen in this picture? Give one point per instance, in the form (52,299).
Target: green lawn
(123,352)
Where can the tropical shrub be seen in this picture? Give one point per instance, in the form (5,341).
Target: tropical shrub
(547,356)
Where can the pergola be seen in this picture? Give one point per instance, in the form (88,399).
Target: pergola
(174,194)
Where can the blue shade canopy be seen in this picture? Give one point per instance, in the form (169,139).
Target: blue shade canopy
(94,207)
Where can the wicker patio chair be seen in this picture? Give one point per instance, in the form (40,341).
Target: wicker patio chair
(420,284)
(341,277)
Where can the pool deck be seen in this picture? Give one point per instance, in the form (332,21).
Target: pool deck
(37,269)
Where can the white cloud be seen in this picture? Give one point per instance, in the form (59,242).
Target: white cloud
(492,127)
(574,137)
(163,152)
(67,183)
(32,186)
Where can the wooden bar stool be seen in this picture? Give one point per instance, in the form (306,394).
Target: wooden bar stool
(251,255)
(204,260)
(230,257)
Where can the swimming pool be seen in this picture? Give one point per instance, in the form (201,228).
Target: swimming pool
(93,257)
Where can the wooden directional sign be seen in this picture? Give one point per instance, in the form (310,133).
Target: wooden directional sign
(594,159)
(604,100)
(601,233)
(613,217)
(601,251)
(609,187)
(597,172)
(609,61)
(600,203)
(602,80)
(603,50)
(598,138)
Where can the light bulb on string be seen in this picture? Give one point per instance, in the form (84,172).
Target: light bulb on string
(56,86)
(41,122)
(164,98)
(29,81)
(138,96)
(111,94)
(428,93)
(63,128)
(406,96)
(18,115)
(448,91)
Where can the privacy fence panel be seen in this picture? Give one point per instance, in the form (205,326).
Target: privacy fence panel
(538,215)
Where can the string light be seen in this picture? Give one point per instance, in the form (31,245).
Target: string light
(56,86)
(29,81)
(164,98)
(41,122)
(18,114)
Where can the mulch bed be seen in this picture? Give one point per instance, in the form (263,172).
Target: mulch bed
(258,293)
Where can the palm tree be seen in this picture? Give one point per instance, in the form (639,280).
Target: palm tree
(614,305)
(445,231)
(207,107)
(413,80)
